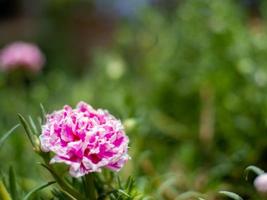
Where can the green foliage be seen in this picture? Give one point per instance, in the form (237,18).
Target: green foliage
(92,186)
(10,190)
(189,84)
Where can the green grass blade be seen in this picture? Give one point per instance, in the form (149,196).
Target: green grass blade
(34,190)
(7,134)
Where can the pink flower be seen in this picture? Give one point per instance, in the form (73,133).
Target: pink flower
(85,139)
(260,183)
(21,55)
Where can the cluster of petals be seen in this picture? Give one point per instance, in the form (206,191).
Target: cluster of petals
(85,139)
(260,183)
(21,55)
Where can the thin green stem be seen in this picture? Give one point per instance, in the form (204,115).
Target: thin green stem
(63,184)
(90,186)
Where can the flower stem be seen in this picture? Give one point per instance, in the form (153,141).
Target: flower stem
(63,184)
(90,186)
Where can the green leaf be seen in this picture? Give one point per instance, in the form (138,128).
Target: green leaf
(69,195)
(62,194)
(43,113)
(26,128)
(34,190)
(3,178)
(33,126)
(4,195)
(254,169)
(119,181)
(1,175)
(39,124)
(12,183)
(231,195)
(7,134)
(123,192)
(129,184)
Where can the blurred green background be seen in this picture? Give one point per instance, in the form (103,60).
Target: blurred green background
(187,77)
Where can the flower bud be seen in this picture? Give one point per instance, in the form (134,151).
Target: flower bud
(129,124)
(260,183)
(21,55)
(115,68)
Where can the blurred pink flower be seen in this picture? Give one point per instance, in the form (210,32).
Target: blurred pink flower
(21,55)
(85,139)
(260,183)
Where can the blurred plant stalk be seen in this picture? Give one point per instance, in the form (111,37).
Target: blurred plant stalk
(206,126)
